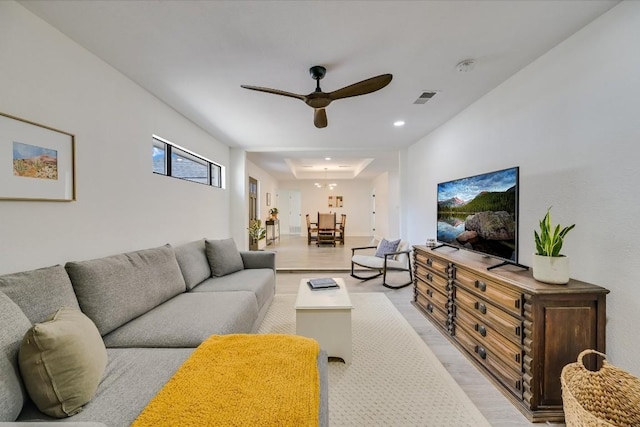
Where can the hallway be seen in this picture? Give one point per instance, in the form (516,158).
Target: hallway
(294,254)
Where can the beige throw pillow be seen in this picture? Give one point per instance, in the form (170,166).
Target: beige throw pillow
(62,361)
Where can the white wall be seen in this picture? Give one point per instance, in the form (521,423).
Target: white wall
(570,121)
(357,202)
(121,205)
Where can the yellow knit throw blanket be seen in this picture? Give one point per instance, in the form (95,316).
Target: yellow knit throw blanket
(241,380)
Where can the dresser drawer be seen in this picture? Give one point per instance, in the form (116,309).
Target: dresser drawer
(433,295)
(436,264)
(508,299)
(505,323)
(433,279)
(508,352)
(437,313)
(511,378)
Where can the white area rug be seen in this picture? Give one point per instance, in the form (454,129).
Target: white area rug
(394,379)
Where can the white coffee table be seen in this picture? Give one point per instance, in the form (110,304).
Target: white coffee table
(325,315)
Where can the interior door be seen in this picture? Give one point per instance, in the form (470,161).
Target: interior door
(295,214)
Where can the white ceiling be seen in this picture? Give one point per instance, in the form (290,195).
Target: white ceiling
(194,55)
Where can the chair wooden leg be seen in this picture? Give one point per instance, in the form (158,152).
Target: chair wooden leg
(364,278)
(404,285)
(383,273)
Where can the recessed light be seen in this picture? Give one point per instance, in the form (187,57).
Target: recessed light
(327,158)
(398,123)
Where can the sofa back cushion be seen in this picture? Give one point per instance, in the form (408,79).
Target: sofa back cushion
(116,289)
(193,263)
(13,325)
(40,292)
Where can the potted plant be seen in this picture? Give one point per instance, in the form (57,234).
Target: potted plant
(256,232)
(274,213)
(549,265)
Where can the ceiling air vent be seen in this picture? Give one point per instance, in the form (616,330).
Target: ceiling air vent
(422,99)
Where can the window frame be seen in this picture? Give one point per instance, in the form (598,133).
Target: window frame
(215,171)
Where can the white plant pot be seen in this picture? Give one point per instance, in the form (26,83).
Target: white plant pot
(554,270)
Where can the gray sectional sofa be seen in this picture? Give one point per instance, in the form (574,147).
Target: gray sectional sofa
(152,307)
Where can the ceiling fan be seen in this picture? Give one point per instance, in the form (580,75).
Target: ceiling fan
(319,100)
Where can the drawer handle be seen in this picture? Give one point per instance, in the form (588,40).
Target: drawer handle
(429,308)
(481,285)
(430,277)
(518,331)
(482,352)
(481,329)
(517,357)
(481,308)
(429,262)
(430,293)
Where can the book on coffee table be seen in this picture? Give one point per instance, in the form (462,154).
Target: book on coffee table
(323,283)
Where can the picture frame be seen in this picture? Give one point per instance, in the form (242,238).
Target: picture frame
(268,199)
(37,162)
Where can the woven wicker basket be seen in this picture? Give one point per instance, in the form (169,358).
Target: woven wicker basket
(609,397)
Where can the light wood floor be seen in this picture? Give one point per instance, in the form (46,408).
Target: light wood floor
(294,257)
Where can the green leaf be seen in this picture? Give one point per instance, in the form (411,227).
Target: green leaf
(550,239)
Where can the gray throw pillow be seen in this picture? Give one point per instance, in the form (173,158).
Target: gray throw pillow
(224,257)
(386,247)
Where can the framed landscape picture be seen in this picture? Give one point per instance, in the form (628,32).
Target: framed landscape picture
(36,162)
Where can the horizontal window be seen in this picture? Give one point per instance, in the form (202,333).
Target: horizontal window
(172,160)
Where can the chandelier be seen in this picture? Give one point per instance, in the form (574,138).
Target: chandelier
(330,186)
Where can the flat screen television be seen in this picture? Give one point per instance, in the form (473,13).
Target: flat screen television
(480,213)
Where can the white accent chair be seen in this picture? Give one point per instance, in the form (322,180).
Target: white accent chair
(400,260)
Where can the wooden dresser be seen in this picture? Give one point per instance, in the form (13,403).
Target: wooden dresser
(518,331)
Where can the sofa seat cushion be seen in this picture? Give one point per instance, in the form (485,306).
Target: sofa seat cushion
(260,281)
(187,320)
(377,263)
(193,262)
(14,324)
(132,378)
(40,292)
(113,290)
(62,361)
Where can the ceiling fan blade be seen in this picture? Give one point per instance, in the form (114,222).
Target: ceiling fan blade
(274,91)
(320,118)
(361,88)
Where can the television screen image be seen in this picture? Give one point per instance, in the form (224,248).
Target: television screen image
(480,213)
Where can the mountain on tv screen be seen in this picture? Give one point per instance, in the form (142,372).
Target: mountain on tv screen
(480,213)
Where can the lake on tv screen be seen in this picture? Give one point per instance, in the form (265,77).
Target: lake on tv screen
(479,213)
